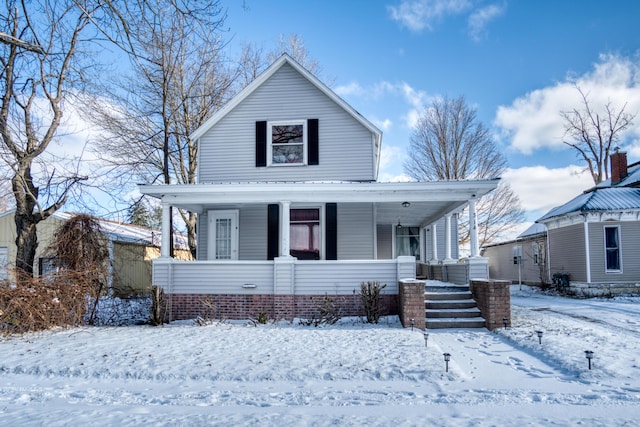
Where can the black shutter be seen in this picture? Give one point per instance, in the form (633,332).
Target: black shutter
(261,143)
(273,231)
(332,231)
(312,141)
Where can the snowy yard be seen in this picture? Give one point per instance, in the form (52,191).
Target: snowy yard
(350,374)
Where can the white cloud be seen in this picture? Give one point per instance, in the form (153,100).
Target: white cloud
(391,154)
(540,188)
(382,124)
(534,121)
(350,89)
(418,15)
(479,19)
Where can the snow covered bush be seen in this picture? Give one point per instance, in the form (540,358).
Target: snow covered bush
(370,292)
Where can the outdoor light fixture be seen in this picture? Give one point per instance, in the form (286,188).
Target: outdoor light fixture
(505,321)
(426,339)
(589,355)
(539,336)
(412,323)
(406,204)
(399,225)
(447,358)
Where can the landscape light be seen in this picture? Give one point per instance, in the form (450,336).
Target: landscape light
(589,355)
(412,323)
(426,338)
(505,321)
(447,357)
(539,336)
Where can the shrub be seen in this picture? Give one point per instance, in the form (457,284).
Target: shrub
(372,300)
(327,313)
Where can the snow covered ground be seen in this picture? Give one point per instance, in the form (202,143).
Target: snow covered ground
(350,374)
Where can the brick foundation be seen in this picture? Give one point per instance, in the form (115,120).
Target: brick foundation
(411,303)
(494,301)
(241,307)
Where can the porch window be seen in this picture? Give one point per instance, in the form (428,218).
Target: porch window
(408,241)
(305,233)
(612,249)
(287,143)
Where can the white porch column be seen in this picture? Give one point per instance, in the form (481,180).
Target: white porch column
(285,237)
(473,228)
(447,238)
(165,244)
(434,244)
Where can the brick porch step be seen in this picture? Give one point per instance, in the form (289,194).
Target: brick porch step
(451,306)
(473,322)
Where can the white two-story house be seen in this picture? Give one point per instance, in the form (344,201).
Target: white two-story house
(290,210)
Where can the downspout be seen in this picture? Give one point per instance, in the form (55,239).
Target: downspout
(586,247)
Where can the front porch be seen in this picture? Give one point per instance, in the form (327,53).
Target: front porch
(249,240)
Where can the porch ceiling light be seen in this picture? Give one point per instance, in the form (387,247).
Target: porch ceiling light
(406,204)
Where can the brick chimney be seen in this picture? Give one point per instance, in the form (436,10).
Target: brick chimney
(618,167)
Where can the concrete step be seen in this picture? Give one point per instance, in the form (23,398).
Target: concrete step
(431,296)
(446,287)
(452,313)
(472,322)
(449,304)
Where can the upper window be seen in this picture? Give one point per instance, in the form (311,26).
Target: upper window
(287,143)
(612,249)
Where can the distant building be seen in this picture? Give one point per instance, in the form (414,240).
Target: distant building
(131,249)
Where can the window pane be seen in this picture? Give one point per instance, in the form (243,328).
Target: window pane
(287,134)
(287,154)
(305,233)
(408,241)
(223,238)
(612,248)
(611,237)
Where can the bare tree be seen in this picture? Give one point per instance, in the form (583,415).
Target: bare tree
(253,60)
(179,78)
(593,133)
(41,53)
(449,143)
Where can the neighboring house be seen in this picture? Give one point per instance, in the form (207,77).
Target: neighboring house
(595,238)
(593,241)
(131,249)
(522,260)
(289,209)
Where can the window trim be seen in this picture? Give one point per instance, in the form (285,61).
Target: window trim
(305,141)
(619,249)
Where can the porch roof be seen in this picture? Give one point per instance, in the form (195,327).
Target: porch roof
(429,201)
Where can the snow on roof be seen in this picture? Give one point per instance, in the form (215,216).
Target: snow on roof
(535,228)
(600,199)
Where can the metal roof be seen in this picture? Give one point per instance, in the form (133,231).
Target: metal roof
(600,199)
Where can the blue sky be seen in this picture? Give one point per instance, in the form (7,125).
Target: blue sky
(515,61)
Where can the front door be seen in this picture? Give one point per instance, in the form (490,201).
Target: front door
(223,235)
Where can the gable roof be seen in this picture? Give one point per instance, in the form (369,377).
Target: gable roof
(270,71)
(598,200)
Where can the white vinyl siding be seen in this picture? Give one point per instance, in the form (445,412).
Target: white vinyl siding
(355,231)
(227,151)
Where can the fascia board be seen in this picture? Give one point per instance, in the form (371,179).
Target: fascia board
(315,192)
